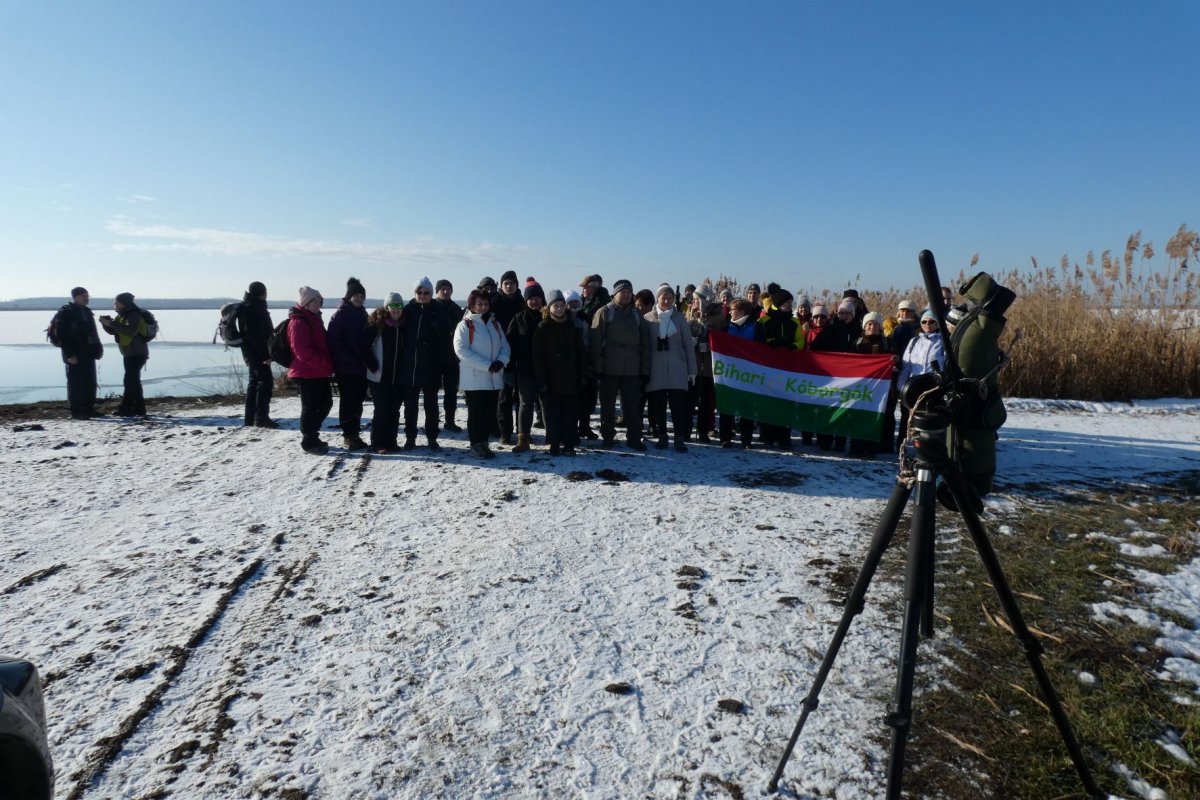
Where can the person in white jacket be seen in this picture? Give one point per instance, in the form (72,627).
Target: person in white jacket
(925,353)
(482,350)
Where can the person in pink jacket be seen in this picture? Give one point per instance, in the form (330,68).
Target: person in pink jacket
(312,364)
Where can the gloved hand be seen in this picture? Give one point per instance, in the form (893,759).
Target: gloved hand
(496,366)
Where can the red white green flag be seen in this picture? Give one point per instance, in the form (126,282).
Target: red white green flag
(844,394)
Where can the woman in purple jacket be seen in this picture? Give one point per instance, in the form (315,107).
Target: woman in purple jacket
(311,367)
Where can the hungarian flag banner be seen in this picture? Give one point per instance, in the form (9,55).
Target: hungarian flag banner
(844,394)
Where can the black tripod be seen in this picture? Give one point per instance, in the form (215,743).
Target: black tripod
(932,413)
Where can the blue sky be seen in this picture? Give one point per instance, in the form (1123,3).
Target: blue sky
(185,149)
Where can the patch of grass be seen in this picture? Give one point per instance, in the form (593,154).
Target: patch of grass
(984,719)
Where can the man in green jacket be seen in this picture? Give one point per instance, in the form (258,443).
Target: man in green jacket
(129,329)
(620,345)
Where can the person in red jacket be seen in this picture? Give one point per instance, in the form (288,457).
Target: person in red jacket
(312,364)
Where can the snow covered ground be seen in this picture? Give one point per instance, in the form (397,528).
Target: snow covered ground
(218,615)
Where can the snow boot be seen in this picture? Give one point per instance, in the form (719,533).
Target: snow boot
(522,445)
(354,442)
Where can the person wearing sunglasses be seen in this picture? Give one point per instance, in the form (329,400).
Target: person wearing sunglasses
(423,348)
(924,353)
(387,390)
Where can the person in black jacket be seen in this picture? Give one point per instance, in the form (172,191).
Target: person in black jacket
(451,315)
(506,304)
(560,365)
(520,341)
(254,323)
(387,393)
(350,341)
(421,353)
(81,349)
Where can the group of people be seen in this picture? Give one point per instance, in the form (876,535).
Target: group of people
(518,354)
(75,332)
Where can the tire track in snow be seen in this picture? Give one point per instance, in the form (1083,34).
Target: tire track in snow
(34,577)
(205,712)
(109,747)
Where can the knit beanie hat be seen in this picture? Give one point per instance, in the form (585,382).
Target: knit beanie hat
(819,310)
(804,302)
(927,314)
(622,285)
(955,314)
(353,287)
(771,289)
(555,296)
(874,316)
(510,275)
(486,282)
(308,294)
(851,293)
(257,289)
(124,298)
(533,289)
(846,305)
(573,297)
(423,283)
(663,288)
(78,290)
(780,297)
(907,304)
(395,299)
(705,293)
(443,284)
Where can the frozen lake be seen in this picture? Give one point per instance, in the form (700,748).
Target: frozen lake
(183,359)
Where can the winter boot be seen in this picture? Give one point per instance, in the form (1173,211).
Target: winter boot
(353,442)
(315,446)
(522,445)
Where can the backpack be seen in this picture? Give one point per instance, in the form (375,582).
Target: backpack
(279,346)
(149,327)
(229,328)
(52,330)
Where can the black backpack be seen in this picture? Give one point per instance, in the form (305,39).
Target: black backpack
(53,329)
(229,328)
(279,347)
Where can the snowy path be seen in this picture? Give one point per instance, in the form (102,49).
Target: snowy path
(218,615)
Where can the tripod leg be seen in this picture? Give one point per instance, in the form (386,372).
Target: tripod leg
(1032,647)
(854,606)
(917,581)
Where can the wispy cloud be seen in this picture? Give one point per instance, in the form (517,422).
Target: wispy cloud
(137,199)
(358,222)
(214,241)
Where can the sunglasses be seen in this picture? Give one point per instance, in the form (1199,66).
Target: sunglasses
(424,292)
(929,322)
